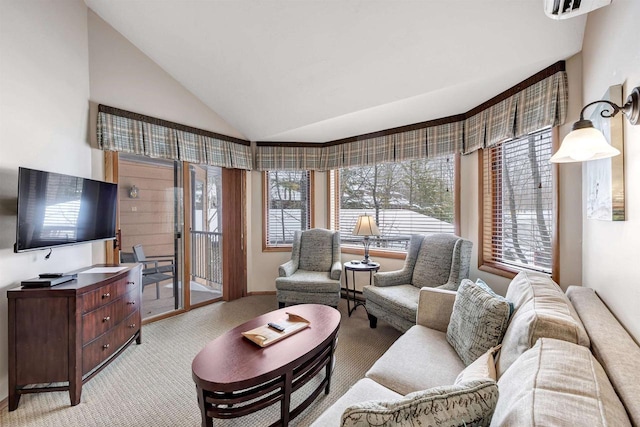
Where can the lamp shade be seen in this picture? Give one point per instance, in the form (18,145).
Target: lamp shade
(584,144)
(366,226)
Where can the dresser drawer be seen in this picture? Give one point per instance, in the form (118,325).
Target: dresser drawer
(103,347)
(108,293)
(106,317)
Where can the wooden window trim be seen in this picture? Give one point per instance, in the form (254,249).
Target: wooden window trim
(265,215)
(499,269)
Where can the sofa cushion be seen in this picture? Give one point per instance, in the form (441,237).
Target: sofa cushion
(365,389)
(557,383)
(478,321)
(469,404)
(483,368)
(541,310)
(612,346)
(421,358)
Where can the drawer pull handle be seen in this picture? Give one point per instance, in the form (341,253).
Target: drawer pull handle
(133,325)
(107,295)
(131,302)
(131,283)
(106,346)
(106,319)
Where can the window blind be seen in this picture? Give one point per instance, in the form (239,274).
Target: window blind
(287,205)
(517,203)
(409,197)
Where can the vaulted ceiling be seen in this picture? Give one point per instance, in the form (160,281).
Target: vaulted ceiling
(315,71)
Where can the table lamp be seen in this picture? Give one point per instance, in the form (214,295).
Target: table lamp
(366,226)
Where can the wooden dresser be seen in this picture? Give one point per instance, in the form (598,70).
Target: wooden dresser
(60,337)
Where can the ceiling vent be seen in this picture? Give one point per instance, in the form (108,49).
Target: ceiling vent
(563,9)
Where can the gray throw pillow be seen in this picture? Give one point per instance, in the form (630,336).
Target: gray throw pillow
(470,404)
(478,321)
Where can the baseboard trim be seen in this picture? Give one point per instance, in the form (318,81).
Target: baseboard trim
(4,403)
(249,294)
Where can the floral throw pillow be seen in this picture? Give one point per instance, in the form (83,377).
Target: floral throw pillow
(470,404)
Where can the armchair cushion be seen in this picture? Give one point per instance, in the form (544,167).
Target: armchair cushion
(316,250)
(308,281)
(401,300)
(434,262)
(478,321)
(470,404)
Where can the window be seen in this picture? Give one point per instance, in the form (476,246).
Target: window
(518,196)
(416,196)
(287,206)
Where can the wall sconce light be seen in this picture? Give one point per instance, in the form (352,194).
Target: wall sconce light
(133,192)
(585,142)
(366,226)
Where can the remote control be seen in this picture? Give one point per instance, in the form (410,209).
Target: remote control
(275,326)
(50,275)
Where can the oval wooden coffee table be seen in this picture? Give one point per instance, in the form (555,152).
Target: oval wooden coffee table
(235,377)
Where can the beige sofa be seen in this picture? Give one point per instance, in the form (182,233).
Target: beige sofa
(565,360)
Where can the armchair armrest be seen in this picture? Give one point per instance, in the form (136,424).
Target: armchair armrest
(392,278)
(336,270)
(287,269)
(435,307)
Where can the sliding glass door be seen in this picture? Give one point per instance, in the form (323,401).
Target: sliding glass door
(151,224)
(206,234)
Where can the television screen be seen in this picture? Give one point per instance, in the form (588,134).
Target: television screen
(56,209)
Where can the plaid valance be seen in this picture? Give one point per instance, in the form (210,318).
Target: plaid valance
(537,105)
(430,139)
(533,104)
(127,132)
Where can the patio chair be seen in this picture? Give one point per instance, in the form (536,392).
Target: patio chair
(435,261)
(312,276)
(156,270)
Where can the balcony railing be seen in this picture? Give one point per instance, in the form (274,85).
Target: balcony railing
(206,255)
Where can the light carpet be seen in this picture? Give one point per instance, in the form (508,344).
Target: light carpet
(151,384)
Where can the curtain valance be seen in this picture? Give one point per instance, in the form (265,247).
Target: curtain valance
(429,139)
(127,132)
(533,104)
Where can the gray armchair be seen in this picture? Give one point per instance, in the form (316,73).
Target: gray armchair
(313,273)
(435,261)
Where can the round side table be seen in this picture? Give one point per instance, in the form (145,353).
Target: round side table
(355,267)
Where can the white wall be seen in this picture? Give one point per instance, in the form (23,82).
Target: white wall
(611,250)
(44,92)
(122,76)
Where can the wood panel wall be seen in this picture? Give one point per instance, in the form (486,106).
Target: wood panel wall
(149,219)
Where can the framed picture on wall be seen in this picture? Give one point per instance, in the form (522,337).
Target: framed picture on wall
(605,177)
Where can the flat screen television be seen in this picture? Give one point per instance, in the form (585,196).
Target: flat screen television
(56,209)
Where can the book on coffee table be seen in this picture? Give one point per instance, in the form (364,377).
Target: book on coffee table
(266,335)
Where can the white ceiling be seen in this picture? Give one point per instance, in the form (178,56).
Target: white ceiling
(315,71)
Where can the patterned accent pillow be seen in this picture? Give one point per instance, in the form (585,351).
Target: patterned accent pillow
(478,321)
(470,404)
(482,283)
